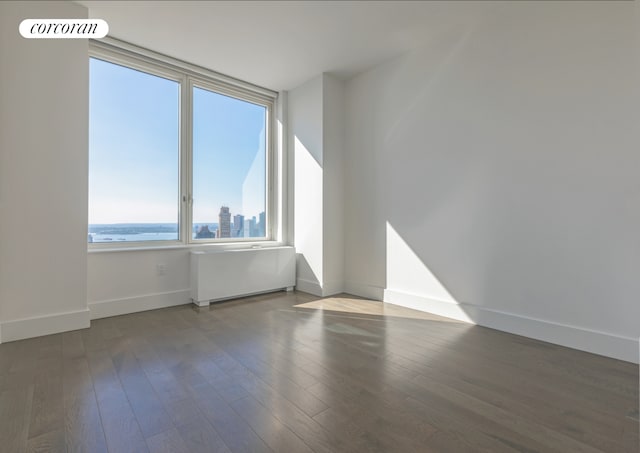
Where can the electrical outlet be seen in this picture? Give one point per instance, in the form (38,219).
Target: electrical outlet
(161,269)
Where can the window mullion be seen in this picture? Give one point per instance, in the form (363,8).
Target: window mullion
(184,160)
(188,157)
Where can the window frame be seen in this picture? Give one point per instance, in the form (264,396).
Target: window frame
(189,76)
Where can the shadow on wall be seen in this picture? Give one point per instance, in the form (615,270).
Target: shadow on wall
(306,278)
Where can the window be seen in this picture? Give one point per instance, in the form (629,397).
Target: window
(177,154)
(229,166)
(134,155)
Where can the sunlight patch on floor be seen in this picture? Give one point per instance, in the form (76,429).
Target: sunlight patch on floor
(371,307)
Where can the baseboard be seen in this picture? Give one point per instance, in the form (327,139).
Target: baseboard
(37,326)
(309,286)
(117,307)
(601,343)
(364,290)
(453,310)
(332,288)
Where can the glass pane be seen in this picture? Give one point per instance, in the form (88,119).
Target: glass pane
(229,167)
(134,146)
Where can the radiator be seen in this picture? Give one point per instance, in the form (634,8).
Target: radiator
(227,274)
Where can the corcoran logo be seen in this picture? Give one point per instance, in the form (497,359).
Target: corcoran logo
(63,28)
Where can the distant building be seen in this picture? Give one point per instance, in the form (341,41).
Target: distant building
(249,227)
(224,223)
(204,233)
(254,227)
(238,225)
(262,226)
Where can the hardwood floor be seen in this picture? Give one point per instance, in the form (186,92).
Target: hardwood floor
(287,372)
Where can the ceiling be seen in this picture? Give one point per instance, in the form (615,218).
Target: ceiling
(281,44)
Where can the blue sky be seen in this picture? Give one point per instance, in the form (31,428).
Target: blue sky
(228,155)
(134,150)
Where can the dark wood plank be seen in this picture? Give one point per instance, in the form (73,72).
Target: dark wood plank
(72,345)
(271,431)
(50,442)
(147,407)
(82,424)
(235,432)
(119,423)
(167,442)
(200,437)
(15,406)
(47,410)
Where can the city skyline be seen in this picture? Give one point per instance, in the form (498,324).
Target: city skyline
(241,226)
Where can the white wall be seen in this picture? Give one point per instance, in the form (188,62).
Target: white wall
(129,281)
(333,185)
(47,281)
(305,143)
(316,136)
(43,175)
(498,166)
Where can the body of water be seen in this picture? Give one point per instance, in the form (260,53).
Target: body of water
(134,237)
(138,232)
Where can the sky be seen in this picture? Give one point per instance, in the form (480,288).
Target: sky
(134,137)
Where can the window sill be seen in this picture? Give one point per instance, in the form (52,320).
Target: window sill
(189,247)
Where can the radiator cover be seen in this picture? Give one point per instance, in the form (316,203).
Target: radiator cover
(219,275)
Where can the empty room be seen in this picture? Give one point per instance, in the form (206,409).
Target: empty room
(319,226)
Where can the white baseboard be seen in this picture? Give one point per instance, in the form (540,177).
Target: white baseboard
(117,307)
(331,288)
(601,343)
(37,326)
(364,290)
(309,286)
(448,309)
